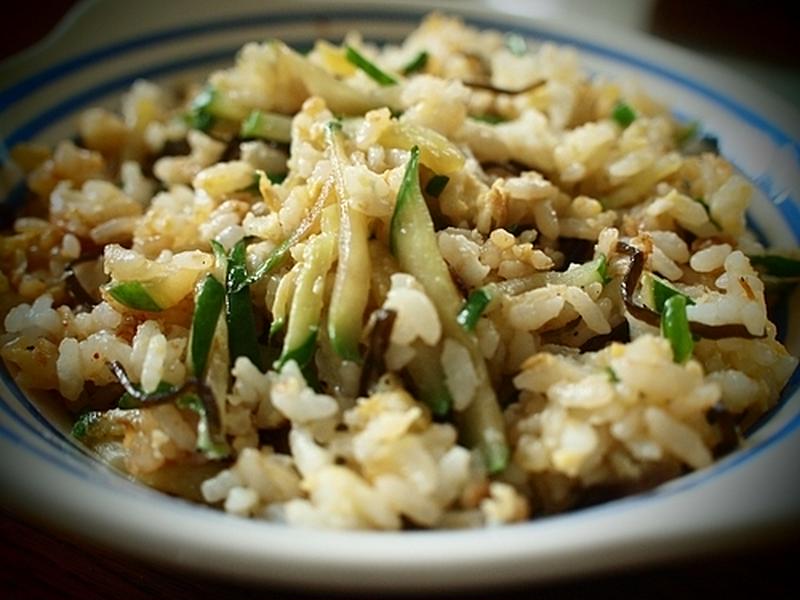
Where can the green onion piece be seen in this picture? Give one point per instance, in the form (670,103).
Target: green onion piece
(427,375)
(623,114)
(242,339)
(268,126)
(473,308)
(133,295)
(516,44)
(436,185)
(775,265)
(200,115)
(84,423)
(220,254)
(273,260)
(211,448)
(207,309)
(662,292)
(675,327)
(489,118)
(612,375)
(355,57)
(417,63)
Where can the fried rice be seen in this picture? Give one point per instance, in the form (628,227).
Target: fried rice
(456,282)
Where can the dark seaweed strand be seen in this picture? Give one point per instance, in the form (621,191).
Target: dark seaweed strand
(374,365)
(497,90)
(631,280)
(191,386)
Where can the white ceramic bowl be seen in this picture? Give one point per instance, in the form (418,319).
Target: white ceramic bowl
(102,47)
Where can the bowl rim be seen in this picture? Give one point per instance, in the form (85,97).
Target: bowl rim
(422,551)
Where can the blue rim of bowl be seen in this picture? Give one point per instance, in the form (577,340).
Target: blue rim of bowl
(75,459)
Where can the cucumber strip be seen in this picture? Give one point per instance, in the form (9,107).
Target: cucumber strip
(209,105)
(376,74)
(133,294)
(481,299)
(351,286)
(341,98)
(306,309)
(268,126)
(207,308)
(428,377)
(242,337)
(413,242)
(436,152)
(283,297)
(278,254)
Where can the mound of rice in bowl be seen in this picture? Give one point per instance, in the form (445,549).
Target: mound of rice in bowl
(451,283)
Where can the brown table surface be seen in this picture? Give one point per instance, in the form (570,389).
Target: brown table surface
(36,563)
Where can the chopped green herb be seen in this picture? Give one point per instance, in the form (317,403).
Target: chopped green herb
(516,44)
(379,76)
(242,339)
(662,292)
(675,327)
(416,64)
(207,309)
(436,185)
(473,308)
(220,254)
(612,375)
(623,114)
(82,426)
(200,115)
(133,295)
